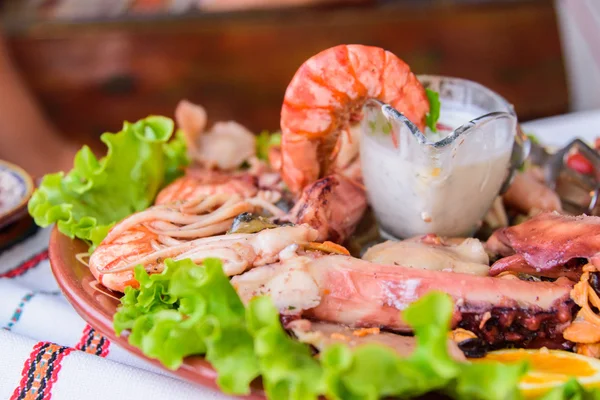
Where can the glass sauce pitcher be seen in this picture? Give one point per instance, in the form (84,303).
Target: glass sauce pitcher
(440,182)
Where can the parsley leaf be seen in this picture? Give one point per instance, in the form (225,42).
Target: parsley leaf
(264,141)
(434,109)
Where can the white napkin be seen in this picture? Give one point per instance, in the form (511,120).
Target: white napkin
(47,350)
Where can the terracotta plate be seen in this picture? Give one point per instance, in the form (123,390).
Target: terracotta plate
(97,309)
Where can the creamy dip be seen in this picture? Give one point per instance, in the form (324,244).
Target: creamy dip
(11,191)
(415,189)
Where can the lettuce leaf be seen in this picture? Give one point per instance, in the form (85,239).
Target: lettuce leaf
(572,390)
(287,366)
(176,158)
(188,310)
(95,194)
(489,380)
(372,371)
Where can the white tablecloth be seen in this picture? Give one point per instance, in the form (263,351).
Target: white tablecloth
(48,351)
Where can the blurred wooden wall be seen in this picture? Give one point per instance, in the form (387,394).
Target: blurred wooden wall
(92,76)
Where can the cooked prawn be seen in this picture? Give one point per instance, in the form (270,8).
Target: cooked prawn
(178,231)
(198,183)
(327,93)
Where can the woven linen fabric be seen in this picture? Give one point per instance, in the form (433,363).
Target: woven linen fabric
(47,351)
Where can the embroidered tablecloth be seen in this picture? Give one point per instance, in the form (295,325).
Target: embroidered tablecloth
(48,351)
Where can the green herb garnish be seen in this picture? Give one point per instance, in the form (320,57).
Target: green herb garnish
(434,109)
(533,138)
(264,142)
(386,128)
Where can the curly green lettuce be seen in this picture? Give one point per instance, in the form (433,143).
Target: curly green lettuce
(572,390)
(95,194)
(188,310)
(287,366)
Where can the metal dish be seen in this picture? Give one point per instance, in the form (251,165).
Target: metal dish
(16,204)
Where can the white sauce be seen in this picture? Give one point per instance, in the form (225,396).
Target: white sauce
(446,193)
(11,191)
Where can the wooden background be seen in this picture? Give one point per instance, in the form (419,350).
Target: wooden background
(92,76)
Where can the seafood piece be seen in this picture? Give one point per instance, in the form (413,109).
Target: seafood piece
(347,162)
(333,205)
(250,223)
(327,93)
(519,265)
(468,257)
(112,263)
(359,293)
(530,195)
(322,335)
(198,183)
(191,119)
(496,216)
(225,146)
(274,156)
(187,231)
(549,244)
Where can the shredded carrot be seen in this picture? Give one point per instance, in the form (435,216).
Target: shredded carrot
(366,331)
(583,329)
(326,291)
(339,336)
(589,268)
(328,247)
(589,350)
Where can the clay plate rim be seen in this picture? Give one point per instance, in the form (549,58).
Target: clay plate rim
(97,309)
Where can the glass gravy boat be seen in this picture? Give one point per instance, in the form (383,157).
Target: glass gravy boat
(442,183)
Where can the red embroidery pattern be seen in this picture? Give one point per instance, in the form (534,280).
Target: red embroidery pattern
(26,265)
(40,372)
(92,342)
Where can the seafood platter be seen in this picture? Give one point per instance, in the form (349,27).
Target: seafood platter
(401,236)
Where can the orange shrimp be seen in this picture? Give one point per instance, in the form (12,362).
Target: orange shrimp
(327,93)
(200,204)
(187,230)
(198,183)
